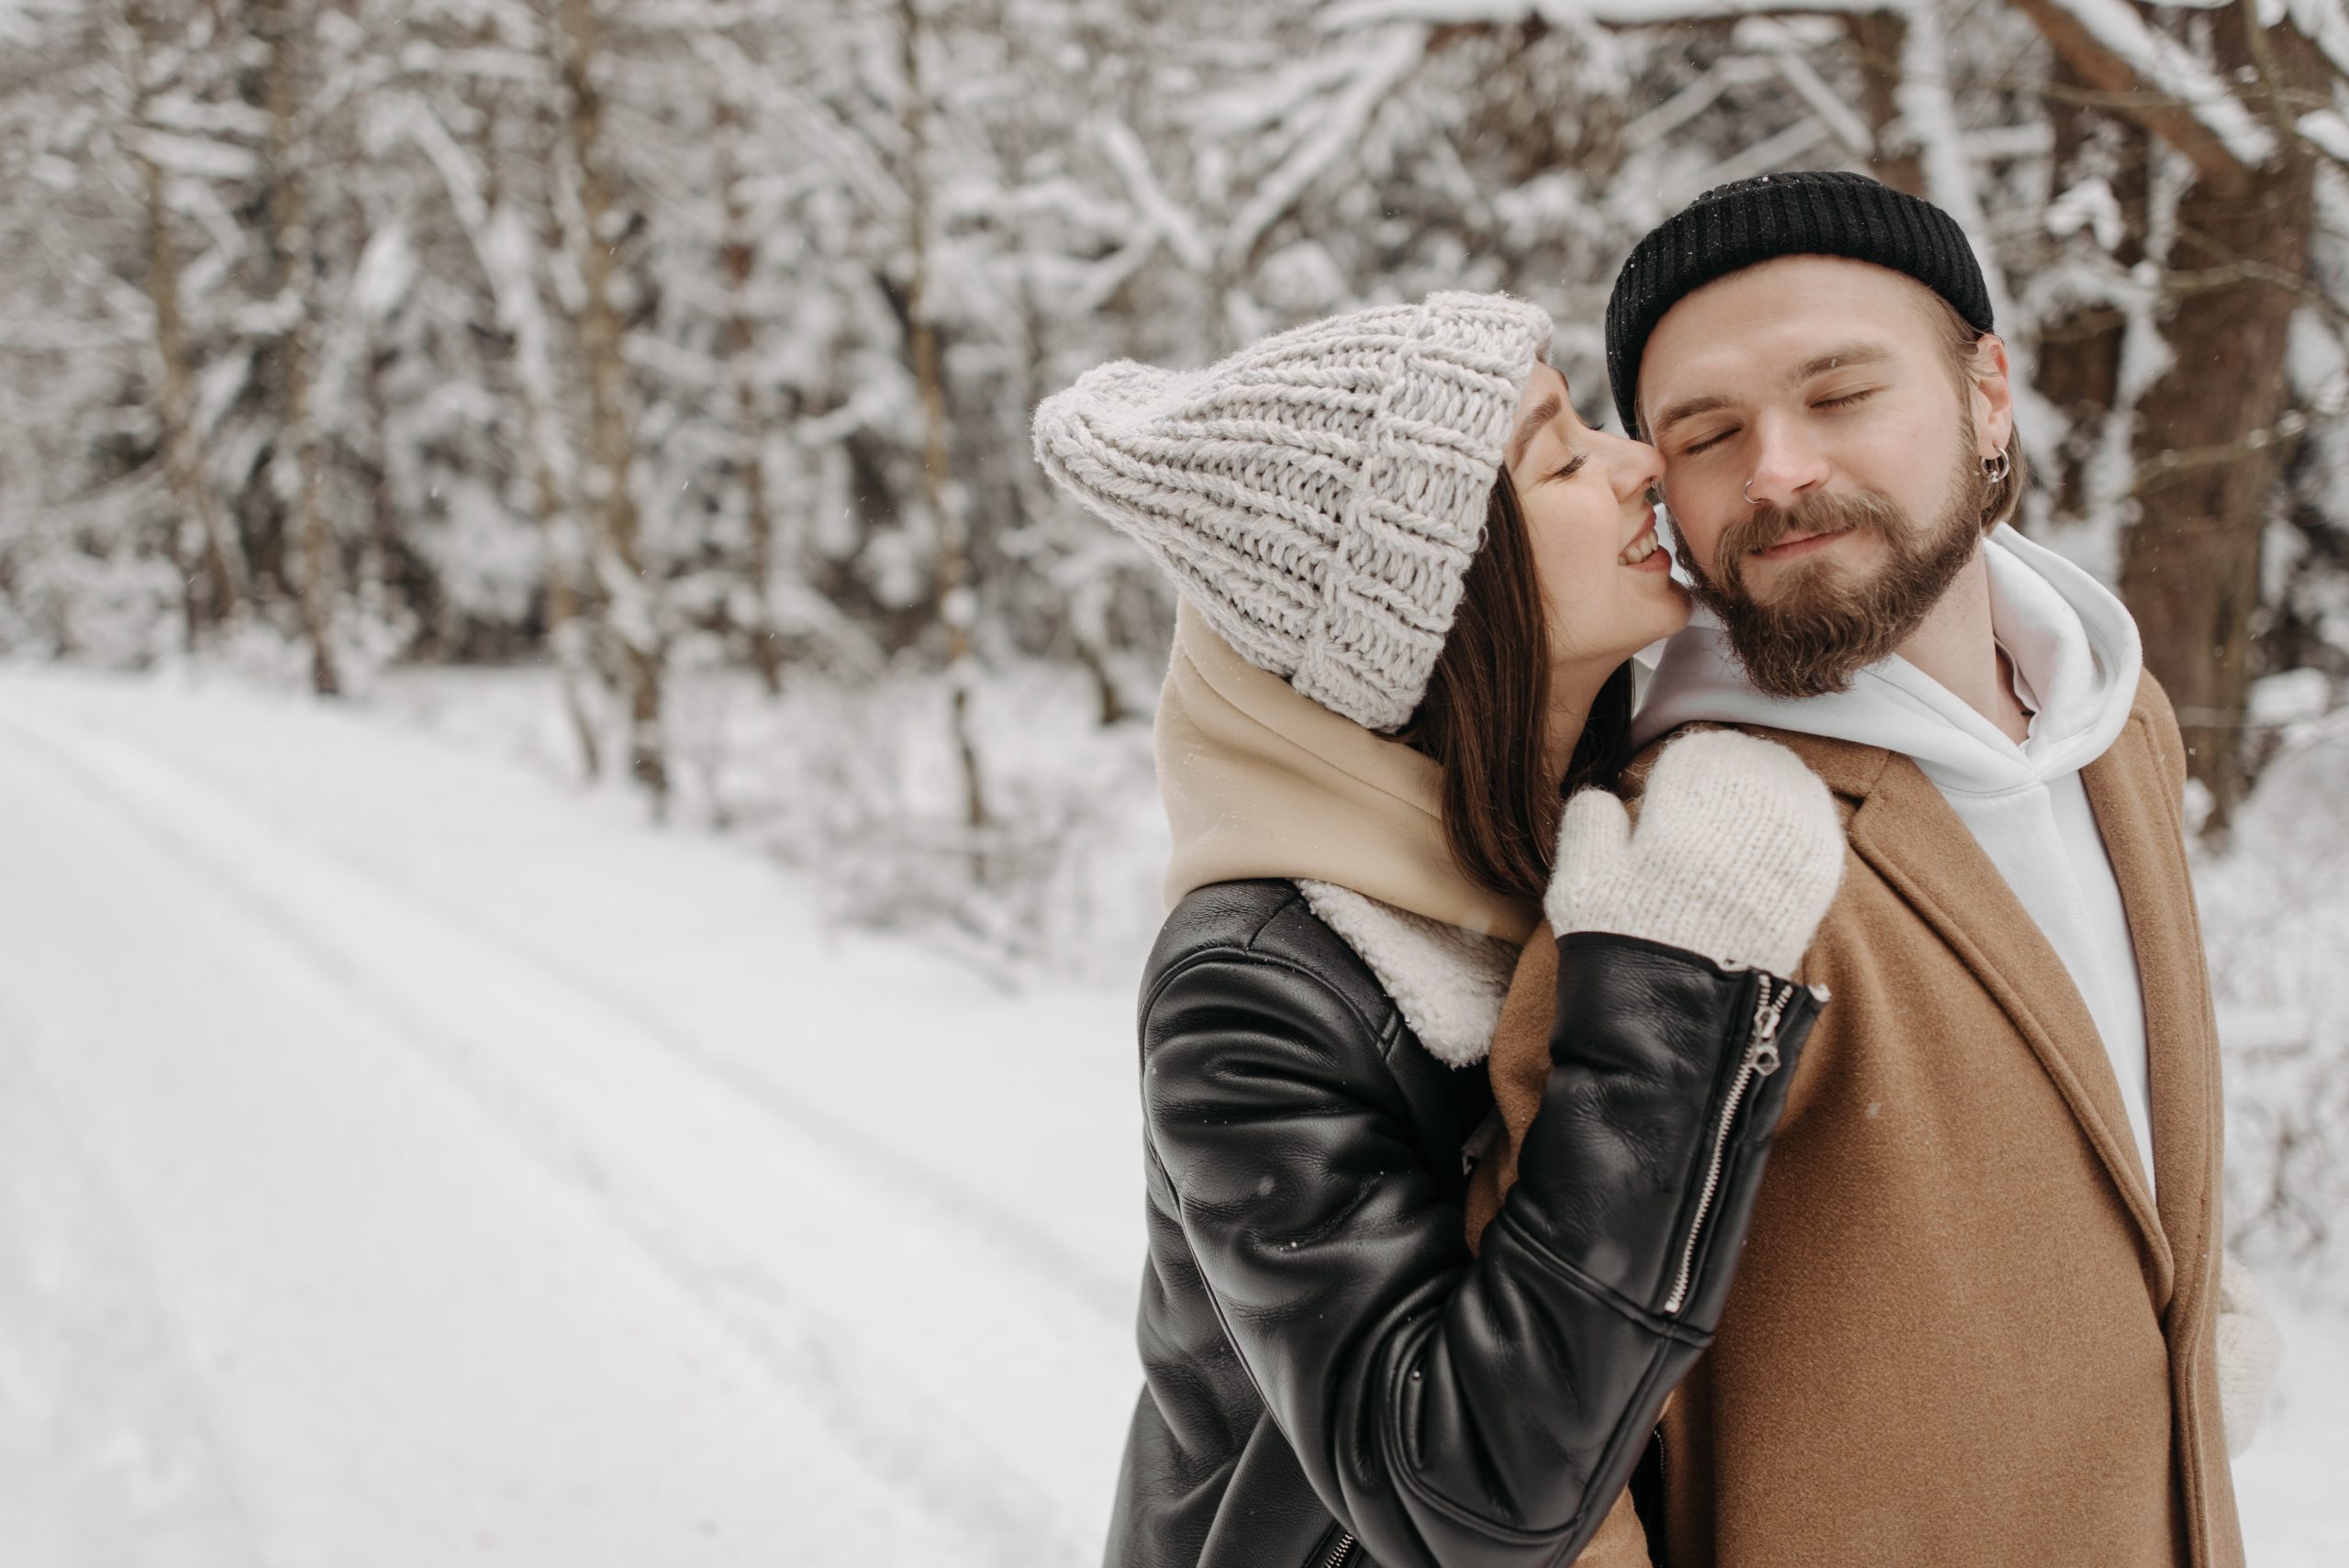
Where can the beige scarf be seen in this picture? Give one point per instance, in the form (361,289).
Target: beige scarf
(1262,781)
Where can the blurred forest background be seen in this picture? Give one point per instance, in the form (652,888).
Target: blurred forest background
(682,352)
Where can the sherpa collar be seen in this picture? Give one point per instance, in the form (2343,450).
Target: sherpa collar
(1448,983)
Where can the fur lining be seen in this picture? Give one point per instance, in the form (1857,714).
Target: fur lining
(1448,983)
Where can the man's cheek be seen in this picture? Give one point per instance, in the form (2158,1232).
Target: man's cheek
(1700,549)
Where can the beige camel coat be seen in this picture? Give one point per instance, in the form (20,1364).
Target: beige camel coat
(1963,1335)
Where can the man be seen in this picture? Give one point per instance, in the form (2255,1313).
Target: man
(1976,1320)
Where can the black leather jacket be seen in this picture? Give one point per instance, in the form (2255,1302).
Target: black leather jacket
(1331,1376)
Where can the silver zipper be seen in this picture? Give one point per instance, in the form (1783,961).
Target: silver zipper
(1338,1553)
(1761,1060)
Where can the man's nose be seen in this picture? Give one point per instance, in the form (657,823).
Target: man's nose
(1785,466)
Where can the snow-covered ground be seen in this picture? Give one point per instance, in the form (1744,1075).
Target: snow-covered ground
(405,1160)
(402,1163)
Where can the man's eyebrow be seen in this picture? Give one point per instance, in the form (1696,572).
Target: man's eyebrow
(1853,353)
(1541,414)
(1836,358)
(1688,408)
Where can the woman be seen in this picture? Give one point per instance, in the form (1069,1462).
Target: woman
(1411,578)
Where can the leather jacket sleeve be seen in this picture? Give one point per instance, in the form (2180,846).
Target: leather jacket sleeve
(1451,1410)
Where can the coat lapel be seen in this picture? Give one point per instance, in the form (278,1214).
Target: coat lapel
(1909,834)
(2145,841)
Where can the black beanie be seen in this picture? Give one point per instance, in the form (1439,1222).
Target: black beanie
(1810,213)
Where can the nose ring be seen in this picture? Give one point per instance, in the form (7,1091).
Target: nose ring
(1749,494)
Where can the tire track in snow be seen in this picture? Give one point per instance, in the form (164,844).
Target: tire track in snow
(107,1456)
(1049,1261)
(899,1432)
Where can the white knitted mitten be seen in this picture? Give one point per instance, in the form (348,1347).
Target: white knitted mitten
(1737,854)
(2249,1351)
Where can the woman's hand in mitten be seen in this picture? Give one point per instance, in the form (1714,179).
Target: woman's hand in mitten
(2250,1351)
(1736,856)
(1667,1076)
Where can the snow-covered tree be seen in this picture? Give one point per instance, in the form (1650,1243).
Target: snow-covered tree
(652,336)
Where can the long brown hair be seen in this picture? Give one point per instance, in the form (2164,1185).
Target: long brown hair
(1485,716)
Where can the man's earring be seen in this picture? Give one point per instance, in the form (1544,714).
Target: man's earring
(1994,469)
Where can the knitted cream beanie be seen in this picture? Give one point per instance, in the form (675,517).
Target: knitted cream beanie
(1319,494)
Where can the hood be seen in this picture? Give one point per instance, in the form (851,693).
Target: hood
(2076,659)
(1260,780)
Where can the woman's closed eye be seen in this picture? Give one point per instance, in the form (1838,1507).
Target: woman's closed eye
(1573,467)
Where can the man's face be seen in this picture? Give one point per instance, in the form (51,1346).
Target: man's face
(1821,459)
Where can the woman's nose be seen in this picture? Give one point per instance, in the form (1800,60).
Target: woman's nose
(1636,466)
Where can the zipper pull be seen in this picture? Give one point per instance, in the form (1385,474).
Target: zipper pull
(1768,1012)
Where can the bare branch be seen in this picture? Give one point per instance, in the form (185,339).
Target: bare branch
(1349,13)
(2295,425)
(2179,284)
(2223,158)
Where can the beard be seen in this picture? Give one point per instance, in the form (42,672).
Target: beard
(1823,626)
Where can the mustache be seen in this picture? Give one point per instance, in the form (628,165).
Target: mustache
(1824,512)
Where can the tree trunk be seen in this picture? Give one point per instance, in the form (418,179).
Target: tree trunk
(570,634)
(512,264)
(629,595)
(1880,39)
(314,590)
(219,601)
(388,578)
(2077,367)
(2207,457)
(954,603)
(2207,442)
(739,252)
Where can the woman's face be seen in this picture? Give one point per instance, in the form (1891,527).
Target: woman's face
(1607,587)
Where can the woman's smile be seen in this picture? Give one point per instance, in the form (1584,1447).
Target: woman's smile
(1646,553)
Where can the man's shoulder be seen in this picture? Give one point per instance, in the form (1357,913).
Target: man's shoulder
(1849,768)
(2152,708)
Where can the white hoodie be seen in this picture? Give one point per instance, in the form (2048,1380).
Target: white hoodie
(2076,660)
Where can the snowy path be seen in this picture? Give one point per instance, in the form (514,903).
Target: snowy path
(406,1163)
(537,1257)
